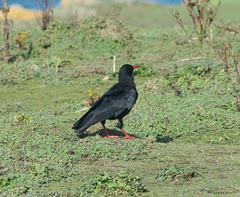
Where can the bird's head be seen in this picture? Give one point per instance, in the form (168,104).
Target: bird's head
(128,69)
(125,73)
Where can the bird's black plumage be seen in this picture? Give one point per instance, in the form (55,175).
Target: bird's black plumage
(116,103)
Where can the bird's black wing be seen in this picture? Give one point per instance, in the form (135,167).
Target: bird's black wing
(114,90)
(117,101)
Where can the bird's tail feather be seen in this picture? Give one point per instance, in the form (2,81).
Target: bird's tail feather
(80,125)
(85,122)
(81,129)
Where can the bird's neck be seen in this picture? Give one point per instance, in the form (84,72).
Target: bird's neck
(127,81)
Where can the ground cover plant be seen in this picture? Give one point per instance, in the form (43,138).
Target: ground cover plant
(185,120)
(120,184)
(176,173)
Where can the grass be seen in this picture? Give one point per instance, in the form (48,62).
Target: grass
(185,119)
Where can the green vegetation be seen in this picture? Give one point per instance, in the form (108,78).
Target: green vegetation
(89,39)
(176,173)
(185,121)
(121,184)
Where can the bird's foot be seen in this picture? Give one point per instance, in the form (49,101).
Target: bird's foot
(110,136)
(128,137)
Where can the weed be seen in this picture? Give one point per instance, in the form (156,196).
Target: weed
(120,184)
(11,107)
(22,119)
(143,71)
(6,180)
(93,97)
(177,173)
(21,39)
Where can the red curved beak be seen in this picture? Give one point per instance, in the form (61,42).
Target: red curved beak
(135,66)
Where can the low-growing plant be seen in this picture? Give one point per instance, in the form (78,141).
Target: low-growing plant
(177,173)
(22,118)
(121,183)
(54,63)
(143,71)
(6,180)
(93,97)
(188,78)
(11,107)
(20,39)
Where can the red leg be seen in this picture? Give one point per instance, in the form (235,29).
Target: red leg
(127,136)
(107,134)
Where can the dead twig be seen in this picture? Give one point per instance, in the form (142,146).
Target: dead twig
(188,59)
(44,12)
(5,11)
(227,28)
(225,54)
(202,13)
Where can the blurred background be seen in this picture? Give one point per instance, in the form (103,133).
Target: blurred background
(137,13)
(30,4)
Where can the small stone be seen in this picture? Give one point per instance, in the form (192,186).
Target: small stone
(106,78)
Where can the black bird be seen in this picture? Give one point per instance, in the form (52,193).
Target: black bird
(116,103)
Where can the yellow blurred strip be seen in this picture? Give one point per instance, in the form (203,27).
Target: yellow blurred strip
(20,13)
(65,3)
